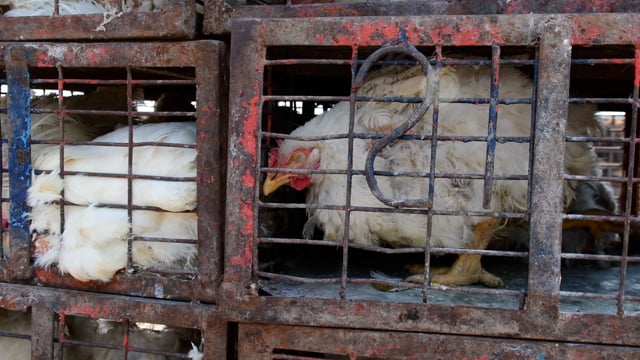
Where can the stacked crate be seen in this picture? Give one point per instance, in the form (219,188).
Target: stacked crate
(257,284)
(314,297)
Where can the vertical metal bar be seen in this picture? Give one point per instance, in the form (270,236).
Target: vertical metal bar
(19,160)
(432,169)
(215,334)
(211,144)
(130,171)
(256,209)
(243,149)
(41,331)
(629,193)
(62,324)
(548,172)
(349,173)
(255,241)
(125,338)
(493,119)
(61,145)
(534,94)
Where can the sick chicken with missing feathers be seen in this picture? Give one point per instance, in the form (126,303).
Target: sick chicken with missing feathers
(461,193)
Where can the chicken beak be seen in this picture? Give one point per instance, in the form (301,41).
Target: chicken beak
(274,181)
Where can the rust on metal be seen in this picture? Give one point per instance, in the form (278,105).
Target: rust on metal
(51,308)
(279,342)
(176,20)
(149,61)
(218,15)
(263,48)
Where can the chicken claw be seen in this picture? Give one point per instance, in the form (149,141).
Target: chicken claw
(467,269)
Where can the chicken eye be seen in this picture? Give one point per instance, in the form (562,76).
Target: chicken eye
(297,157)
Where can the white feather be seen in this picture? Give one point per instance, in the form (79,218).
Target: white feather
(148,160)
(93,243)
(406,230)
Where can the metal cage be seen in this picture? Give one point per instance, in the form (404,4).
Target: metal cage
(295,342)
(61,324)
(60,97)
(286,71)
(67,20)
(219,14)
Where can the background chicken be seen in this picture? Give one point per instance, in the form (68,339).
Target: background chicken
(102,339)
(103,335)
(402,156)
(590,197)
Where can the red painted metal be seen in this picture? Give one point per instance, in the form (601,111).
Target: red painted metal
(542,309)
(218,14)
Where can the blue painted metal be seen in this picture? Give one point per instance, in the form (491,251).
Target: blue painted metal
(19,142)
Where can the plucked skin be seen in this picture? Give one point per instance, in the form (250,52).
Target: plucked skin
(93,243)
(407,230)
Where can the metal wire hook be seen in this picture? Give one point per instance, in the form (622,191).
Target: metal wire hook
(400,130)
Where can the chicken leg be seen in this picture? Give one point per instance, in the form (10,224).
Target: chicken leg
(467,269)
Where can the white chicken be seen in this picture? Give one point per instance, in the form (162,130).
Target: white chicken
(459,157)
(93,243)
(591,198)
(45,122)
(103,335)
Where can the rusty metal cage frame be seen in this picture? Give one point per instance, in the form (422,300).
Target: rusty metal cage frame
(219,15)
(210,125)
(177,20)
(541,318)
(44,303)
(287,342)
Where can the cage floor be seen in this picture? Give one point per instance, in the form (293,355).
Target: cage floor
(578,281)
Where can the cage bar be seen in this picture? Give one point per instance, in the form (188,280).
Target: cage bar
(63,324)
(219,14)
(97,97)
(264,270)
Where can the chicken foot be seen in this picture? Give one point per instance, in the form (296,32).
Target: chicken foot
(467,269)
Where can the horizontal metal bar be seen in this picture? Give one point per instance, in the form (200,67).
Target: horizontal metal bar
(113,82)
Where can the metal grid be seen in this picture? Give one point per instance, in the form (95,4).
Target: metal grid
(218,14)
(299,342)
(613,250)
(316,63)
(108,19)
(161,228)
(60,324)
(348,276)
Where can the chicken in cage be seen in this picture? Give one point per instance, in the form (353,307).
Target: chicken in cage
(80,337)
(92,136)
(452,174)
